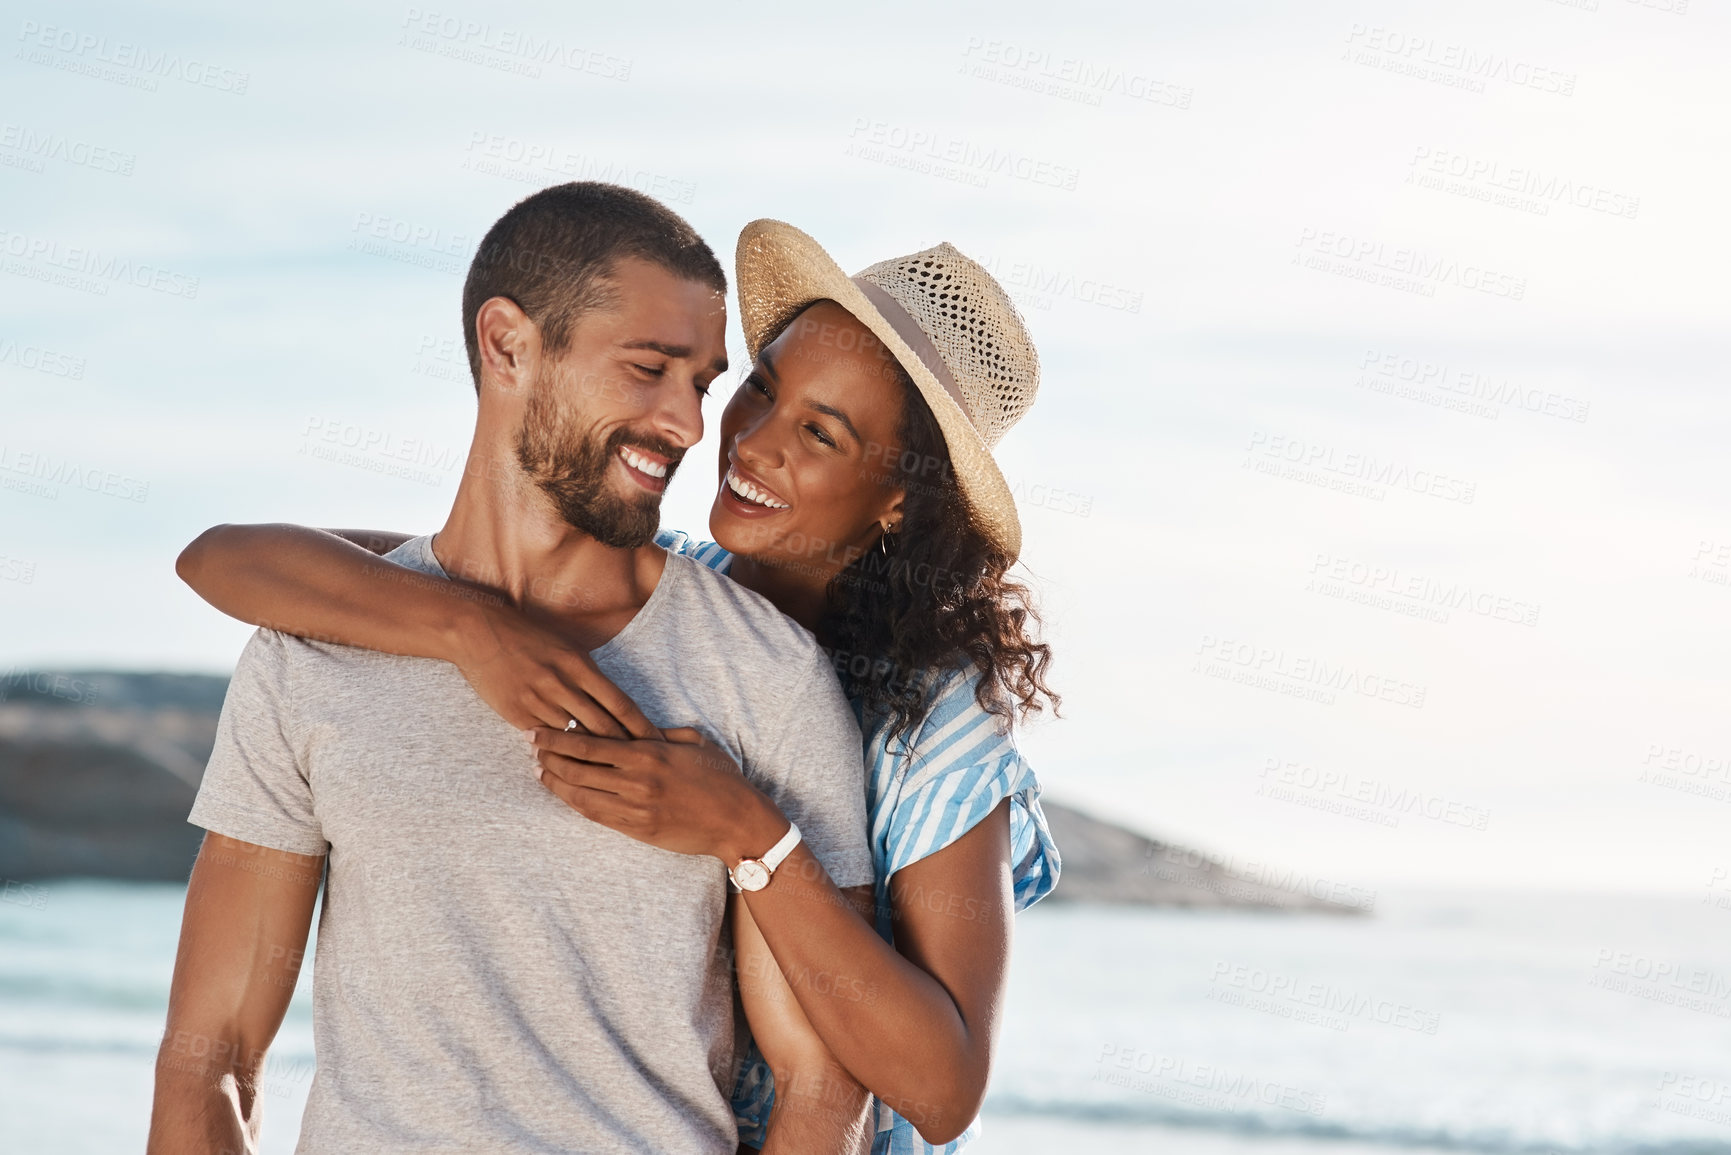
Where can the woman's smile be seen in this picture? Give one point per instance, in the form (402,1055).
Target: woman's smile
(746,496)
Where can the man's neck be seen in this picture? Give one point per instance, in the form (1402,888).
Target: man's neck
(504,534)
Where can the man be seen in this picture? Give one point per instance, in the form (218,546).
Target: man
(495,972)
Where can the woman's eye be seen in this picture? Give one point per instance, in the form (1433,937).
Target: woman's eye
(757,384)
(650,370)
(817,432)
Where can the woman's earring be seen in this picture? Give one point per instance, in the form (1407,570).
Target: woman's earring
(884,541)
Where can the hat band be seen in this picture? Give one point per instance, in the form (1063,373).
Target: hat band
(909,330)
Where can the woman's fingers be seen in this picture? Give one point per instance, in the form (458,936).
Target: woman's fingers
(583,747)
(589,714)
(595,805)
(586,678)
(542,712)
(586,774)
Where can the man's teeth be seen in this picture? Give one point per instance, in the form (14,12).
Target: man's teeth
(641,463)
(751,493)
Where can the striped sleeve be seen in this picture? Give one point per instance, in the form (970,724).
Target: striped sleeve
(962,762)
(706,552)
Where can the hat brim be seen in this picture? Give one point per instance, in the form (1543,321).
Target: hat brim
(780,270)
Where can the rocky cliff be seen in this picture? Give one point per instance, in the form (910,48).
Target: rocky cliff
(98,771)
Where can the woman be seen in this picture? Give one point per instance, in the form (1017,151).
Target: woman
(857,493)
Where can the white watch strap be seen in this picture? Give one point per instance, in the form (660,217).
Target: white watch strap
(782,849)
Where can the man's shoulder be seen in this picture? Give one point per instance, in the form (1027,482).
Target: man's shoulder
(744,618)
(308,666)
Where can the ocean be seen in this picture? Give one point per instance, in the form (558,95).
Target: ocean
(1549,1025)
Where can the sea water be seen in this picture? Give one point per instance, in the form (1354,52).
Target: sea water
(1467,1022)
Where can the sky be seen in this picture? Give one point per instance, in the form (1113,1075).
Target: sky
(1375,492)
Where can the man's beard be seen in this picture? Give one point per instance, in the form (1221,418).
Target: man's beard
(571,469)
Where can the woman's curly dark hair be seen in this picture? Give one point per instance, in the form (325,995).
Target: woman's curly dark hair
(935,597)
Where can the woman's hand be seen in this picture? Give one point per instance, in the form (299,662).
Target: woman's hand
(684,793)
(533,676)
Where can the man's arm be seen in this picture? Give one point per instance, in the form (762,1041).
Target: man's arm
(819,1107)
(248,911)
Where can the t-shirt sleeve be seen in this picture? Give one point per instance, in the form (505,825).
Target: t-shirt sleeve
(962,764)
(813,768)
(255,787)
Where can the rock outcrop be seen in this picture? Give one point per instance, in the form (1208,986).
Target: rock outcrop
(98,772)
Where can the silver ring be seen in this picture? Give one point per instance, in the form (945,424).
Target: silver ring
(571,725)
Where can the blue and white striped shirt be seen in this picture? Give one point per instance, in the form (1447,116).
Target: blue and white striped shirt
(923,792)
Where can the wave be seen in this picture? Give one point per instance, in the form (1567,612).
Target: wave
(1482,1142)
(83,991)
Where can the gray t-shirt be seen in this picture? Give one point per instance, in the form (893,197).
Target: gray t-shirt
(495,972)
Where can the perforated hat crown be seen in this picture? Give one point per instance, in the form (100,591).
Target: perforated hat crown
(943,317)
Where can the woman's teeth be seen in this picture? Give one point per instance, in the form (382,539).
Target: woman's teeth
(641,463)
(749,492)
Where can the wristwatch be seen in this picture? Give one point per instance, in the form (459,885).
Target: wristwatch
(755,873)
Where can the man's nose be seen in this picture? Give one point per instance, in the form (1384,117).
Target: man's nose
(679,414)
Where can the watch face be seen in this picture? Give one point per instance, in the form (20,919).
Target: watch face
(750,875)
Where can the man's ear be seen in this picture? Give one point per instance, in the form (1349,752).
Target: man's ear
(509,343)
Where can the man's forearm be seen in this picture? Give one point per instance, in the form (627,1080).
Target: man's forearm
(817,1112)
(201,1108)
(248,912)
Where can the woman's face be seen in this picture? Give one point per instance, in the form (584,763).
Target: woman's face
(809,448)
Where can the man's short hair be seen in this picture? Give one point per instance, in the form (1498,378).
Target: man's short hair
(554,253)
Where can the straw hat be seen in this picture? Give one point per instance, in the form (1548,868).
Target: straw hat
(942,316)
